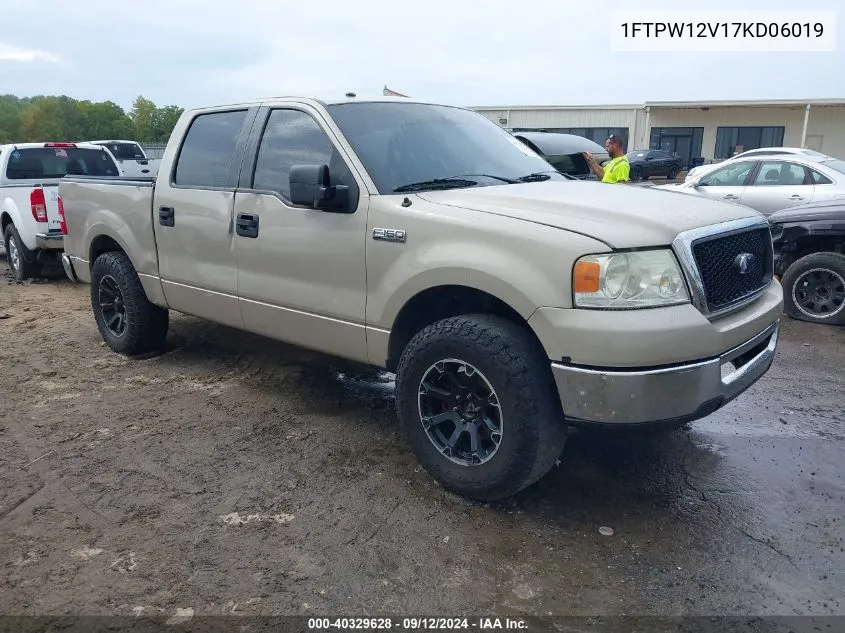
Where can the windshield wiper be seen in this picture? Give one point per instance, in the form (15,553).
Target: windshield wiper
(535,177)
(510,181)
(436,183)
(451,182)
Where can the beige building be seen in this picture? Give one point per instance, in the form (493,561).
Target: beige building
(710,131)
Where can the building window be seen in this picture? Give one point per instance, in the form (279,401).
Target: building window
(680,141)
(597,134)
(733,140)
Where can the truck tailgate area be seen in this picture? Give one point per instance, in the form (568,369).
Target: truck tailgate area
(102,213)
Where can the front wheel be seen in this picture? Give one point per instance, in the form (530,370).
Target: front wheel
(128,322)
(673,172)
(478,405)
(814,289)
(636,174)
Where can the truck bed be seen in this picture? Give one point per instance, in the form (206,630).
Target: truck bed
(118,209)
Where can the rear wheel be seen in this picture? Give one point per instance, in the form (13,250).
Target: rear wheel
(21,260)
(128,322)
(479,407)
(636,174)
(814,288)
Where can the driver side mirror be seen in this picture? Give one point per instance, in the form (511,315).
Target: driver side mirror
(310,186)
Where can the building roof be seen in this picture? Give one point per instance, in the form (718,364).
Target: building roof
(674,104)
(747,103)
(555,107)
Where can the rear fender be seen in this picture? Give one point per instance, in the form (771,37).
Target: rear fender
(103,224)
(9,212)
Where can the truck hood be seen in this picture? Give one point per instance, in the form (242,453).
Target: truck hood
(621,216)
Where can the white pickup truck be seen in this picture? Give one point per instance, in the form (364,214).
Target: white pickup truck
(30,208)
(131,158)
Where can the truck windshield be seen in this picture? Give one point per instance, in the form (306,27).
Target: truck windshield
(57,162)
(126,151)
(415,147)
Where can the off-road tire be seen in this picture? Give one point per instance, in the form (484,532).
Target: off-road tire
(832,262)
(145,323)
(533,427)
(27,268)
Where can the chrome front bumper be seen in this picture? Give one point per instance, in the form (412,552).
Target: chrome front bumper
(68,266)
(49,241)
(678,393)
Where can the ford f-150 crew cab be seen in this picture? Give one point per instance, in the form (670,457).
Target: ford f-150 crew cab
(512,303)
(29,203)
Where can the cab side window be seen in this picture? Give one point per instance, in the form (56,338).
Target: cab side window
(205,157)
(293,137)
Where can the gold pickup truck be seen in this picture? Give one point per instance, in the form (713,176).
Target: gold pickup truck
(513,303)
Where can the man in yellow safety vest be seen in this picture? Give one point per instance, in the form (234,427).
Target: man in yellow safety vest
(617,169)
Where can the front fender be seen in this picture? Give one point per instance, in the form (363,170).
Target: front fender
(516,275)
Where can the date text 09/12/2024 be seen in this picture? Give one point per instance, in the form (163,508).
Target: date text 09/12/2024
(417,624)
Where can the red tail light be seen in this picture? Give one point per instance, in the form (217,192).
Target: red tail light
(38,204)
(62,222)
(59,144)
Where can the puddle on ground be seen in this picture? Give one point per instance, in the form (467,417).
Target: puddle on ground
(763,428)
(367,385)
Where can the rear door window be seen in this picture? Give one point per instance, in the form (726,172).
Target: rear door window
(208,149)
(779,173)
(49,163)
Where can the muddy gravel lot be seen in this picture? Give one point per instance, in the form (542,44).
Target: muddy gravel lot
(232,474)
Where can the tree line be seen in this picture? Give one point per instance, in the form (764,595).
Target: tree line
(61,118)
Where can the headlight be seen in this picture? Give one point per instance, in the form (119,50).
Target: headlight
(641,279)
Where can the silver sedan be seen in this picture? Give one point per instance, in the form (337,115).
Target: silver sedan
(770,183)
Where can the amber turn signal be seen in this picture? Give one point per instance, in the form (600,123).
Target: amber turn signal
(586,277)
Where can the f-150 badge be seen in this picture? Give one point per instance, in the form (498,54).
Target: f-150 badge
(389,235)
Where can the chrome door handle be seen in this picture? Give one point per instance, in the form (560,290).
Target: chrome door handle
(730,196)
(796,197)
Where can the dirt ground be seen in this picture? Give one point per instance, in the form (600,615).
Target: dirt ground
(236,475)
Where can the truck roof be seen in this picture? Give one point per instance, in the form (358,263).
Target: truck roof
(113,141)
(322,102)
(83,145)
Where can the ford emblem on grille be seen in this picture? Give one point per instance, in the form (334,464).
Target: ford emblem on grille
(742,263)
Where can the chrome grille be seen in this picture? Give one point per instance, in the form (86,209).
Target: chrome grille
(727,267)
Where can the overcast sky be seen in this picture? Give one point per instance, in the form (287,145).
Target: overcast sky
(464,52)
